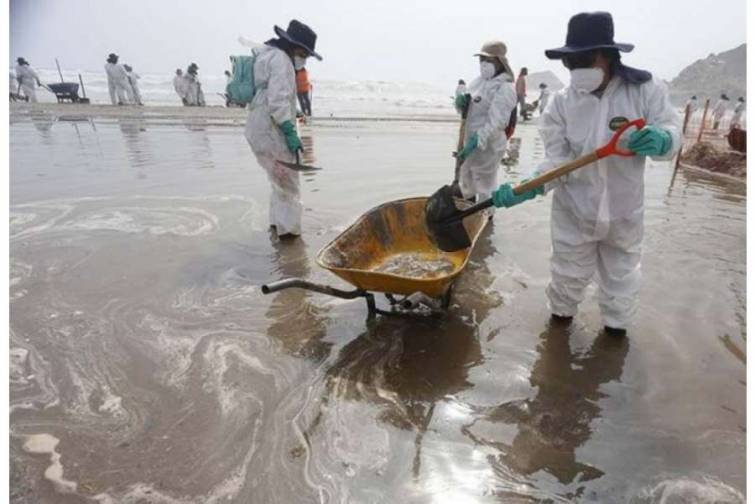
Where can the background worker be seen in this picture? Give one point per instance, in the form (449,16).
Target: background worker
(303,87)
(736,120)
(179,85)
(117,80)
(492,100)
(521,92)
(720,110)
(27,80)
(133,85)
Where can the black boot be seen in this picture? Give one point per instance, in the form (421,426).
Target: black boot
(561,320)
(615,332)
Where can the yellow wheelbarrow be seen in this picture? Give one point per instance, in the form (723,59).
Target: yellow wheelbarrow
(388,250)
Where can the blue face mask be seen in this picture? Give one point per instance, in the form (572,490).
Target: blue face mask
(299,62)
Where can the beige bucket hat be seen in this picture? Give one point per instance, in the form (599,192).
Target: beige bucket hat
(496,49)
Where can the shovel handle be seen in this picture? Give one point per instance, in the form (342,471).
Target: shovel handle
(609,149)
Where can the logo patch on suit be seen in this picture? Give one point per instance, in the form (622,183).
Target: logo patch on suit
(617,122)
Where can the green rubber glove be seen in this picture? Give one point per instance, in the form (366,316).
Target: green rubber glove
(469,147)
(504,196)
(293,142)
(650,141)
(461,101)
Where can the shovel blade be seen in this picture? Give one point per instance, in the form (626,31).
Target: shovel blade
(299,167)
(444,230)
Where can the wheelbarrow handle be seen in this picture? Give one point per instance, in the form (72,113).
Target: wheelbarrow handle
(298,283)
(609,149)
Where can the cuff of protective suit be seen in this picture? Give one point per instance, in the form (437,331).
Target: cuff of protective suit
(280,119)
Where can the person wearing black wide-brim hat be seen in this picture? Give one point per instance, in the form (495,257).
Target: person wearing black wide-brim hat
(270,127)
(117,80)
(597,212)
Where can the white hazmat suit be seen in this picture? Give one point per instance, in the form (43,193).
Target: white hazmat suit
(736,120)
(597,212)
(179,84)
(692,104)
(719,110)
(27,78)
(193,90)
(117,82)
(275,102)
(542,100)
(489,112)
(133,87)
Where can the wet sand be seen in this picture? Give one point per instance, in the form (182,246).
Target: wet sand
(146,365)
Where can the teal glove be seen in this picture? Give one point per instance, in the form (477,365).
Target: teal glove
(292,139)
(504,196)
(461,101)
(470,146)
(650,141)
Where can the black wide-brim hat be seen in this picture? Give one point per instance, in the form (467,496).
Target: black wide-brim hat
(300,35)
(588,31)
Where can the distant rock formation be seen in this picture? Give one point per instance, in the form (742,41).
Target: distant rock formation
(725,72)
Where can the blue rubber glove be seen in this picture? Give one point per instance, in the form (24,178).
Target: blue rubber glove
(461,101)
(292,139)
(504,196)
(650,141)
(469,147)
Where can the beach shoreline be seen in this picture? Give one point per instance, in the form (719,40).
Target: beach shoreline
(76,111)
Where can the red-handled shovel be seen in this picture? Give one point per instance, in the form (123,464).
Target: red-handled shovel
(444,221)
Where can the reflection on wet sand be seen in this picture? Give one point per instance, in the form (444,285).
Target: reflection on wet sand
(556,422)
(138,149)
(403,367)
(295,322)
(147,364)
(200,150)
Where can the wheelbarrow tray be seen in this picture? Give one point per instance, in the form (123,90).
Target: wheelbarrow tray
(67,91)
(64,88)
(388,230)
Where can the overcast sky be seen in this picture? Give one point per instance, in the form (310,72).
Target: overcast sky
(427,40)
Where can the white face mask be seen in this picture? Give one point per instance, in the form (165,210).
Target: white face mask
(487,70)
(299,62)
(586,80)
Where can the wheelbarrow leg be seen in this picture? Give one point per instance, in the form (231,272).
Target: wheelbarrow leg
(445,301)
(371,308)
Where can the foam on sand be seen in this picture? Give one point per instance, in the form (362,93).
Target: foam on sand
(46,443)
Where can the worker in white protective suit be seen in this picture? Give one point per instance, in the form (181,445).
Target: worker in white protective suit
(117,80)
(692,105)
(270,127)
(720,110)
(597,210)
(542,100)
(492,98)
(27,79)
(739,109)
(179,84)
(194,93)
(133,85)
